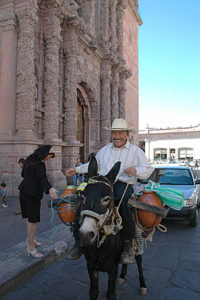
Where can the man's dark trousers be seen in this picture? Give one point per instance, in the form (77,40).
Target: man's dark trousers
(128,231)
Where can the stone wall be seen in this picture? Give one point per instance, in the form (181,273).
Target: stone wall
(55,54)
(130,50)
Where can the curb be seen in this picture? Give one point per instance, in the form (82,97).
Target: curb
(17,268)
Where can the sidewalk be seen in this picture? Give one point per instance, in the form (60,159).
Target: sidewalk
(15,265)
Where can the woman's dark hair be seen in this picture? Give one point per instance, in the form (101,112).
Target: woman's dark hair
(21,160)
(42,151)
(3,184)
(38,155)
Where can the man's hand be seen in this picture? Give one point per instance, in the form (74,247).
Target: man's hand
(131,171)
(70,172)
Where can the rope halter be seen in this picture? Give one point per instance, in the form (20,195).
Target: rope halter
(116,222)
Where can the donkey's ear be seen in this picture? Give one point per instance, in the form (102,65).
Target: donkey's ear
(92,168)
(113,172)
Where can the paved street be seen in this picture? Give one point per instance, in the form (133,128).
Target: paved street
(171,268)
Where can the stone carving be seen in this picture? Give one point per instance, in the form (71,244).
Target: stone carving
(70,102)
(39,72)
(124,75)
(67,51)
(86,12)
(122,95)
(104,27)
(113,27)
(51,82)
(105,101)
(119,28)
(7,19)
(26,81)
(114,93)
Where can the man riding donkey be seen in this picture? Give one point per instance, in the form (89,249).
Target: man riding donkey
(133,164)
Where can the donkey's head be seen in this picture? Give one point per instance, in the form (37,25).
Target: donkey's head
(97,202)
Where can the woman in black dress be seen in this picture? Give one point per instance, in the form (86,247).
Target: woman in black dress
(35,182)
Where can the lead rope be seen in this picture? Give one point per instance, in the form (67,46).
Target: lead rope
(118,220)
(117,210)
(162,227)
(110,229)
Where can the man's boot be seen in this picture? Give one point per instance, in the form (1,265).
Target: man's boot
(75,252)
(127,253)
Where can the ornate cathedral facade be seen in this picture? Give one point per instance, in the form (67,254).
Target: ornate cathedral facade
(67,69)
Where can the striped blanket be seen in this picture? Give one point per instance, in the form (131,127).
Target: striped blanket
(174,198)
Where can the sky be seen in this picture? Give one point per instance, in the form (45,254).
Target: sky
(169,63)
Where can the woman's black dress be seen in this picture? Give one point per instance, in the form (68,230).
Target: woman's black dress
(35,182)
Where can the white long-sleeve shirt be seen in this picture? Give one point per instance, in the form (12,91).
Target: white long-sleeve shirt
(129,155)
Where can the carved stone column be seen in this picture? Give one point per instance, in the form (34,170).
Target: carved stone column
(105,112)
(115,93)
(124,75)
(7,69)
(51,82)
(119,15)
(71,150)
(8,57)
(122,96)
(113,26)
(26,81)
(87,15)
(104,26)
(70,84)
(53,17)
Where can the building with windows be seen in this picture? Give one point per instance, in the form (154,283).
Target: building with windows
(182,143)
(67,69)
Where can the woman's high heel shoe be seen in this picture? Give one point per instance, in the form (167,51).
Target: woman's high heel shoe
(36,243)
(34,253)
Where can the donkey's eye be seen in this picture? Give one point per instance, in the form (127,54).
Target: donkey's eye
(105,200)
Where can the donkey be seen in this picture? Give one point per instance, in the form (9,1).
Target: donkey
(100,231)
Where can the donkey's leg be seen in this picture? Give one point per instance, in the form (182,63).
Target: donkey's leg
(94,284)
(143,288)
(112,277)
(122,277)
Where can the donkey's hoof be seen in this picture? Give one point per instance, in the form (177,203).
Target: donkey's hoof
(122,280)
(143,291)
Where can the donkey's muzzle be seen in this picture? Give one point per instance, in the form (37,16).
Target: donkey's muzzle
(87,238)
(88,231)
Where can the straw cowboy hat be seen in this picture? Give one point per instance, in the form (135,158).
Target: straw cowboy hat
(120,124)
